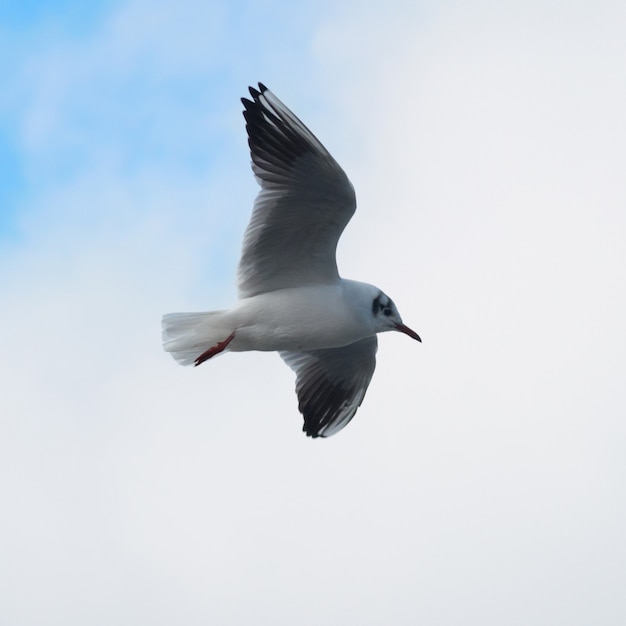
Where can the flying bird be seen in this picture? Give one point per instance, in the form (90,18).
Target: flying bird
(291,297)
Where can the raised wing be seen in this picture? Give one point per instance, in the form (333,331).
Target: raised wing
(305,202)
(331,384)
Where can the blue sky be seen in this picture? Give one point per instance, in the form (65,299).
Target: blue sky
(85,90)
(482,480)
(26,25)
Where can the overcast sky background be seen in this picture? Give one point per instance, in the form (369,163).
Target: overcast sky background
(483,480)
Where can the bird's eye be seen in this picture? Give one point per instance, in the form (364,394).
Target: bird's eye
(386,311)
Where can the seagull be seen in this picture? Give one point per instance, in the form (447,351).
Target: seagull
(291,297)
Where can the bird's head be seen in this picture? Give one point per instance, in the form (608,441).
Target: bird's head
(386,316)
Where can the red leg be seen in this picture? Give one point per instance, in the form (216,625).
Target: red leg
(213,350)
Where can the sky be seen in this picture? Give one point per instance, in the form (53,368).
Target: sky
(483,479)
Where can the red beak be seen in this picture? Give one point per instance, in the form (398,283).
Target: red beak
(407,331)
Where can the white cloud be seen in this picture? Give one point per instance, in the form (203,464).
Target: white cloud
(481,480)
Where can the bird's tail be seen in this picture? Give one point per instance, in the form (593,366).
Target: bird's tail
(190,337)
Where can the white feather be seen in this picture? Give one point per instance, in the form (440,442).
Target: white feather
(187,335)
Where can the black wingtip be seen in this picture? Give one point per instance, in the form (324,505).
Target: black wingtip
(255,93)
(311,432)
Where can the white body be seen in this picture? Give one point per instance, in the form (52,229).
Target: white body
(296,319)
(300,318)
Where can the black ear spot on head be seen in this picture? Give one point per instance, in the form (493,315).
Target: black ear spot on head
(376,305)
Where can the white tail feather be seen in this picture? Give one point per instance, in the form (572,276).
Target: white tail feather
(187,335)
